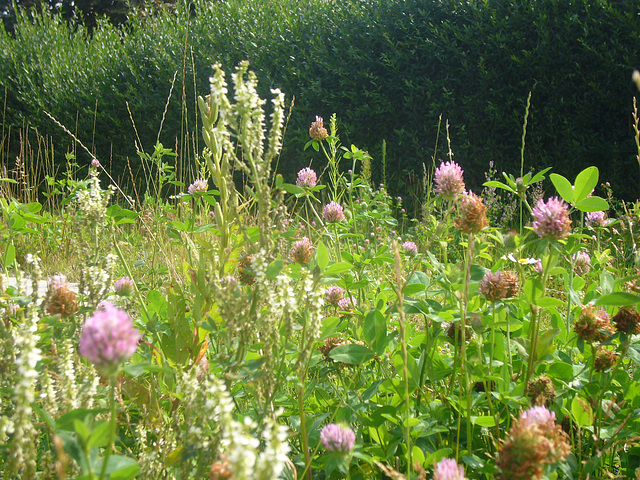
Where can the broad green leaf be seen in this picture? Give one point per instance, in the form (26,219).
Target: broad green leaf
(496,184)
(592,204)
(322,256)
(484,421)
(351,354)
(375,331)
(582,412)
(338,267)
(563,186)
(620,299)
(533,288)
(539,176)
(585,183)
(9,255)
(549,302)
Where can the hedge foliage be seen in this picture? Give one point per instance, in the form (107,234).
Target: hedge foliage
(388,68)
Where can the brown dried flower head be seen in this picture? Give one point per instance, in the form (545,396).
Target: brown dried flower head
(245,270)
(593,325)
(513,284)
(220,470)
(627,320)
(605,359)
(62,301)
(472,214)
(541,390)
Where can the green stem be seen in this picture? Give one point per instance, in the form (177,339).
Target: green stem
(112,426)
(303,430)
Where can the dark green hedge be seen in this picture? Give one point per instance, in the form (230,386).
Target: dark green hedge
(388,68)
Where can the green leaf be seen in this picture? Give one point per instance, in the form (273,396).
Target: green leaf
(119,467)
(533,288)
(351,354)
(496,184)
(539,176)
(620,299)
(9,255)
(563,186)
(484,421)
(549,302)
(585,183)
(322,256)
(582,412)
(592,204)
(337,268)
(375,331)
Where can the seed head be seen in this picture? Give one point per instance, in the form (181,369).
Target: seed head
(472,215)
(307,178)
(604,360)
(551,219)
(338,439)
(108,339)
(61,301)
(627,321)
(493,286)
(593,325)
(448,180)
(541,390)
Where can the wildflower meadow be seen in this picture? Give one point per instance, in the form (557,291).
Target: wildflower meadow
(261,324)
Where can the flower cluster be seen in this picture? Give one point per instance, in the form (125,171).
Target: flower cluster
(596,219)
(124,287)
(333,213)
(448,180)
(198,186)
(338,438)
(541,390)
(317,131)
(301,251)
(472,215)
(334,295)
(108,339)
(448,469)
(410,249)
(581,263)
(60,299)
(533,442)
(551,219)
(307,178)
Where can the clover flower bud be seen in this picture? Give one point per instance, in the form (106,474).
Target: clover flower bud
(551,219)
(95,163)
(338,438)
(581,263)
(108,339)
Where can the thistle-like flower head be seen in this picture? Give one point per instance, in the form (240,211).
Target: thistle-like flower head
(198,186)
(333,213)
(337,438)
(448,469)
(448,180)
(307,178)
(108,339)
(551,219)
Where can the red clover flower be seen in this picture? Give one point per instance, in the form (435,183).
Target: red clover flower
(198,186)
(124,287)
(448,469)
(108,339)
(301,251)
(333,213)
(307,178)
(551,219)
(338,439)
(448,180)
(317,131)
